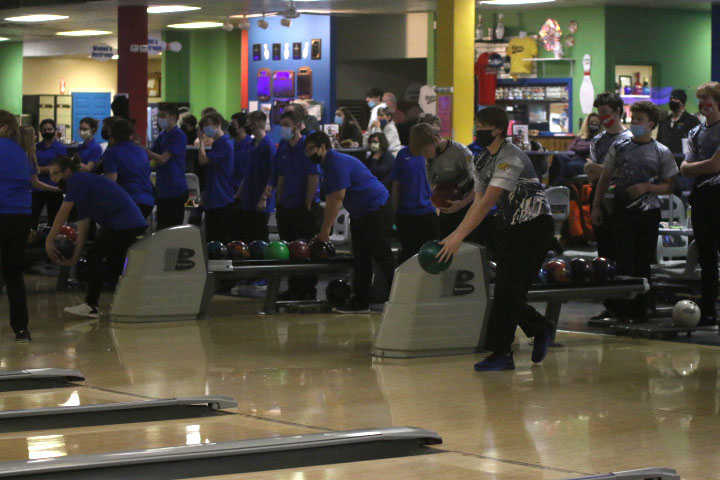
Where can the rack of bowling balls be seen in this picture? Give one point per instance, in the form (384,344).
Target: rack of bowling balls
(577,271)
(278,251)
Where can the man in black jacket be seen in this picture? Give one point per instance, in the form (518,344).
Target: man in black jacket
(677,124)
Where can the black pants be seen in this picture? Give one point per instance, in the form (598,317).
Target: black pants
(13,238)
(634,244)
(705,204)
(171,211)
(111,246)
(485,234)
(217,224)
(250,225)
(603,233)
(146,210)
(521,253)
(414,230)
(41,199)
(300,224)
(371,237)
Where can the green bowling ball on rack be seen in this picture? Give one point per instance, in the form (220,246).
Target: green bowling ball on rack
(277,251)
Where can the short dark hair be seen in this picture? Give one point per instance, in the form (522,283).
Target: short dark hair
(319,139)
(496,117)
(91,122)
(241,118)
(169,108)
(680,95)
(648,108)
(375,92)
(212,118)
(612,100)
(190,120)
(384,145)
(122,130)
(50,121)
(64,162)
(257,116)
(293,115)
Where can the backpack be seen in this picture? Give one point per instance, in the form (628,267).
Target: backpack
(578,229)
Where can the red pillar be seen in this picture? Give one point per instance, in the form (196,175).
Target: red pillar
(244,61)
(133,63)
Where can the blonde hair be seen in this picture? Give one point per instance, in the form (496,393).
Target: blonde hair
(9,120)
(422,135)
(584,130)
(28,141)
(709,88)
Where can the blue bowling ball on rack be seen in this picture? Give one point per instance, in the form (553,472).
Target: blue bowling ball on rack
(257,249)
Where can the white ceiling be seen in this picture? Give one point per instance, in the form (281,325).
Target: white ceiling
(102,15)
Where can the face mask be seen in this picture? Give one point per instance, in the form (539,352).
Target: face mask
(105,135)
(86,134)
(485,137)
(316,158)
(593,129)
(209,131)
(638,130)
(372,103)
(383,123)
(248,129)
(286,133)
(607,121)
(47,136)
(705,108)
(61,184)
(163,123)
(674,105)
(374,147)
(338,119)
(232,130)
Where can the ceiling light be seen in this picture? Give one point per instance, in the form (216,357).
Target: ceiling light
(3,39)
(513,2)
(170,8)
(36,18)
(262,23)
(196,25)
(255,15)
(84,33)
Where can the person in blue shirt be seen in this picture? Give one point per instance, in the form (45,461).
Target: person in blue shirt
(349,183)
(169,152)
(126,163)
(414,211)
(46,151)
(15,221)
(242,133)
(103,201)
(298,198)
(90,150)
(217,197)
(256,192)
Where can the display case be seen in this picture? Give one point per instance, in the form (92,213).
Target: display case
(544,104)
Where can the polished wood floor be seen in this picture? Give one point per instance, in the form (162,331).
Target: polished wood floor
(600,404)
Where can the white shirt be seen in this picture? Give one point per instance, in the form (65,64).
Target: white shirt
(373,113)
(392,135)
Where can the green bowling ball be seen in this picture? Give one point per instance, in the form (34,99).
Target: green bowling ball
(426,257)
(277,251)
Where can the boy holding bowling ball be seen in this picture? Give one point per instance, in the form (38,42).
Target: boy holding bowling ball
(504,176)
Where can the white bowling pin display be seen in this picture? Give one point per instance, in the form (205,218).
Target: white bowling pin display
(587,91)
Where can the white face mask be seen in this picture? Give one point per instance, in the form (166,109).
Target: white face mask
(86,134)
(374,147)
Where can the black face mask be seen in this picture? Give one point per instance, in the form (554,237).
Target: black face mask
(233,131)
(315,158)
(105,135)
(675,105)
(47,136)
(593,129)
(61,184)
(248,129)
(485,137)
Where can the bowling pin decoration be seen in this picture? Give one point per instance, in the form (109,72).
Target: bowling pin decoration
(286,52)
(500,29)
(266,51)
(587,92)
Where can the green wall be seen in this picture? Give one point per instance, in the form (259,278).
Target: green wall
(676,42)
(176,68)
(11,76)
(588,39)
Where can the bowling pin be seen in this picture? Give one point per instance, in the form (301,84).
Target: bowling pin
(266,51)
(587,92)
(286,52)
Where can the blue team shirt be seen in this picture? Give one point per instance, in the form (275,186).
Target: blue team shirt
(103,201)
(45,155)
(296,167)
(476,148)
(219,190)
(170,181)
(89,151)
(415,190)
(364,194)
(259,172)
(132,166)
(15,198)
(242,151)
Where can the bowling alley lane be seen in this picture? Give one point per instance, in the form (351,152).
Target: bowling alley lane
(60,397)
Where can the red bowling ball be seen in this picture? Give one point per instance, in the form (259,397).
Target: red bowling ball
(69,232)
(320,250)
(557,270)
(299,250)
(238,250)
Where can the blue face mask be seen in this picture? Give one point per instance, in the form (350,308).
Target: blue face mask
(638,130)
(209,131)
(286,133)
(163,123)
(338,119)
(372,103)
(383,123)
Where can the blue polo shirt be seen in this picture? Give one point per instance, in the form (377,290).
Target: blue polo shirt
(364,194)
(219,190)
(259,172)
(242,152)
(476,148)
(15,198)
(296,167)
(103,201)
(132,166)
(45,155)
(89,151)
(170,181)
(415,190)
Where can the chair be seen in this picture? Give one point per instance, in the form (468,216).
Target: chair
(559,199)
(193,183)
(672,212)
(341,228)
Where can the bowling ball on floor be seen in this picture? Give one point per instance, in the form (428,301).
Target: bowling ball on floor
(581,270)
(42,234)
(277,251)
(558,270)
(686,313)
(65,246)
(427,260)
(444,193)
(238,250)
(603,269)
(217,250)
(299,250)
(257,249)
(69,232)
(320,250)
(338,292)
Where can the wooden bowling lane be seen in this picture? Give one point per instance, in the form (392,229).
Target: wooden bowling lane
(61,397)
